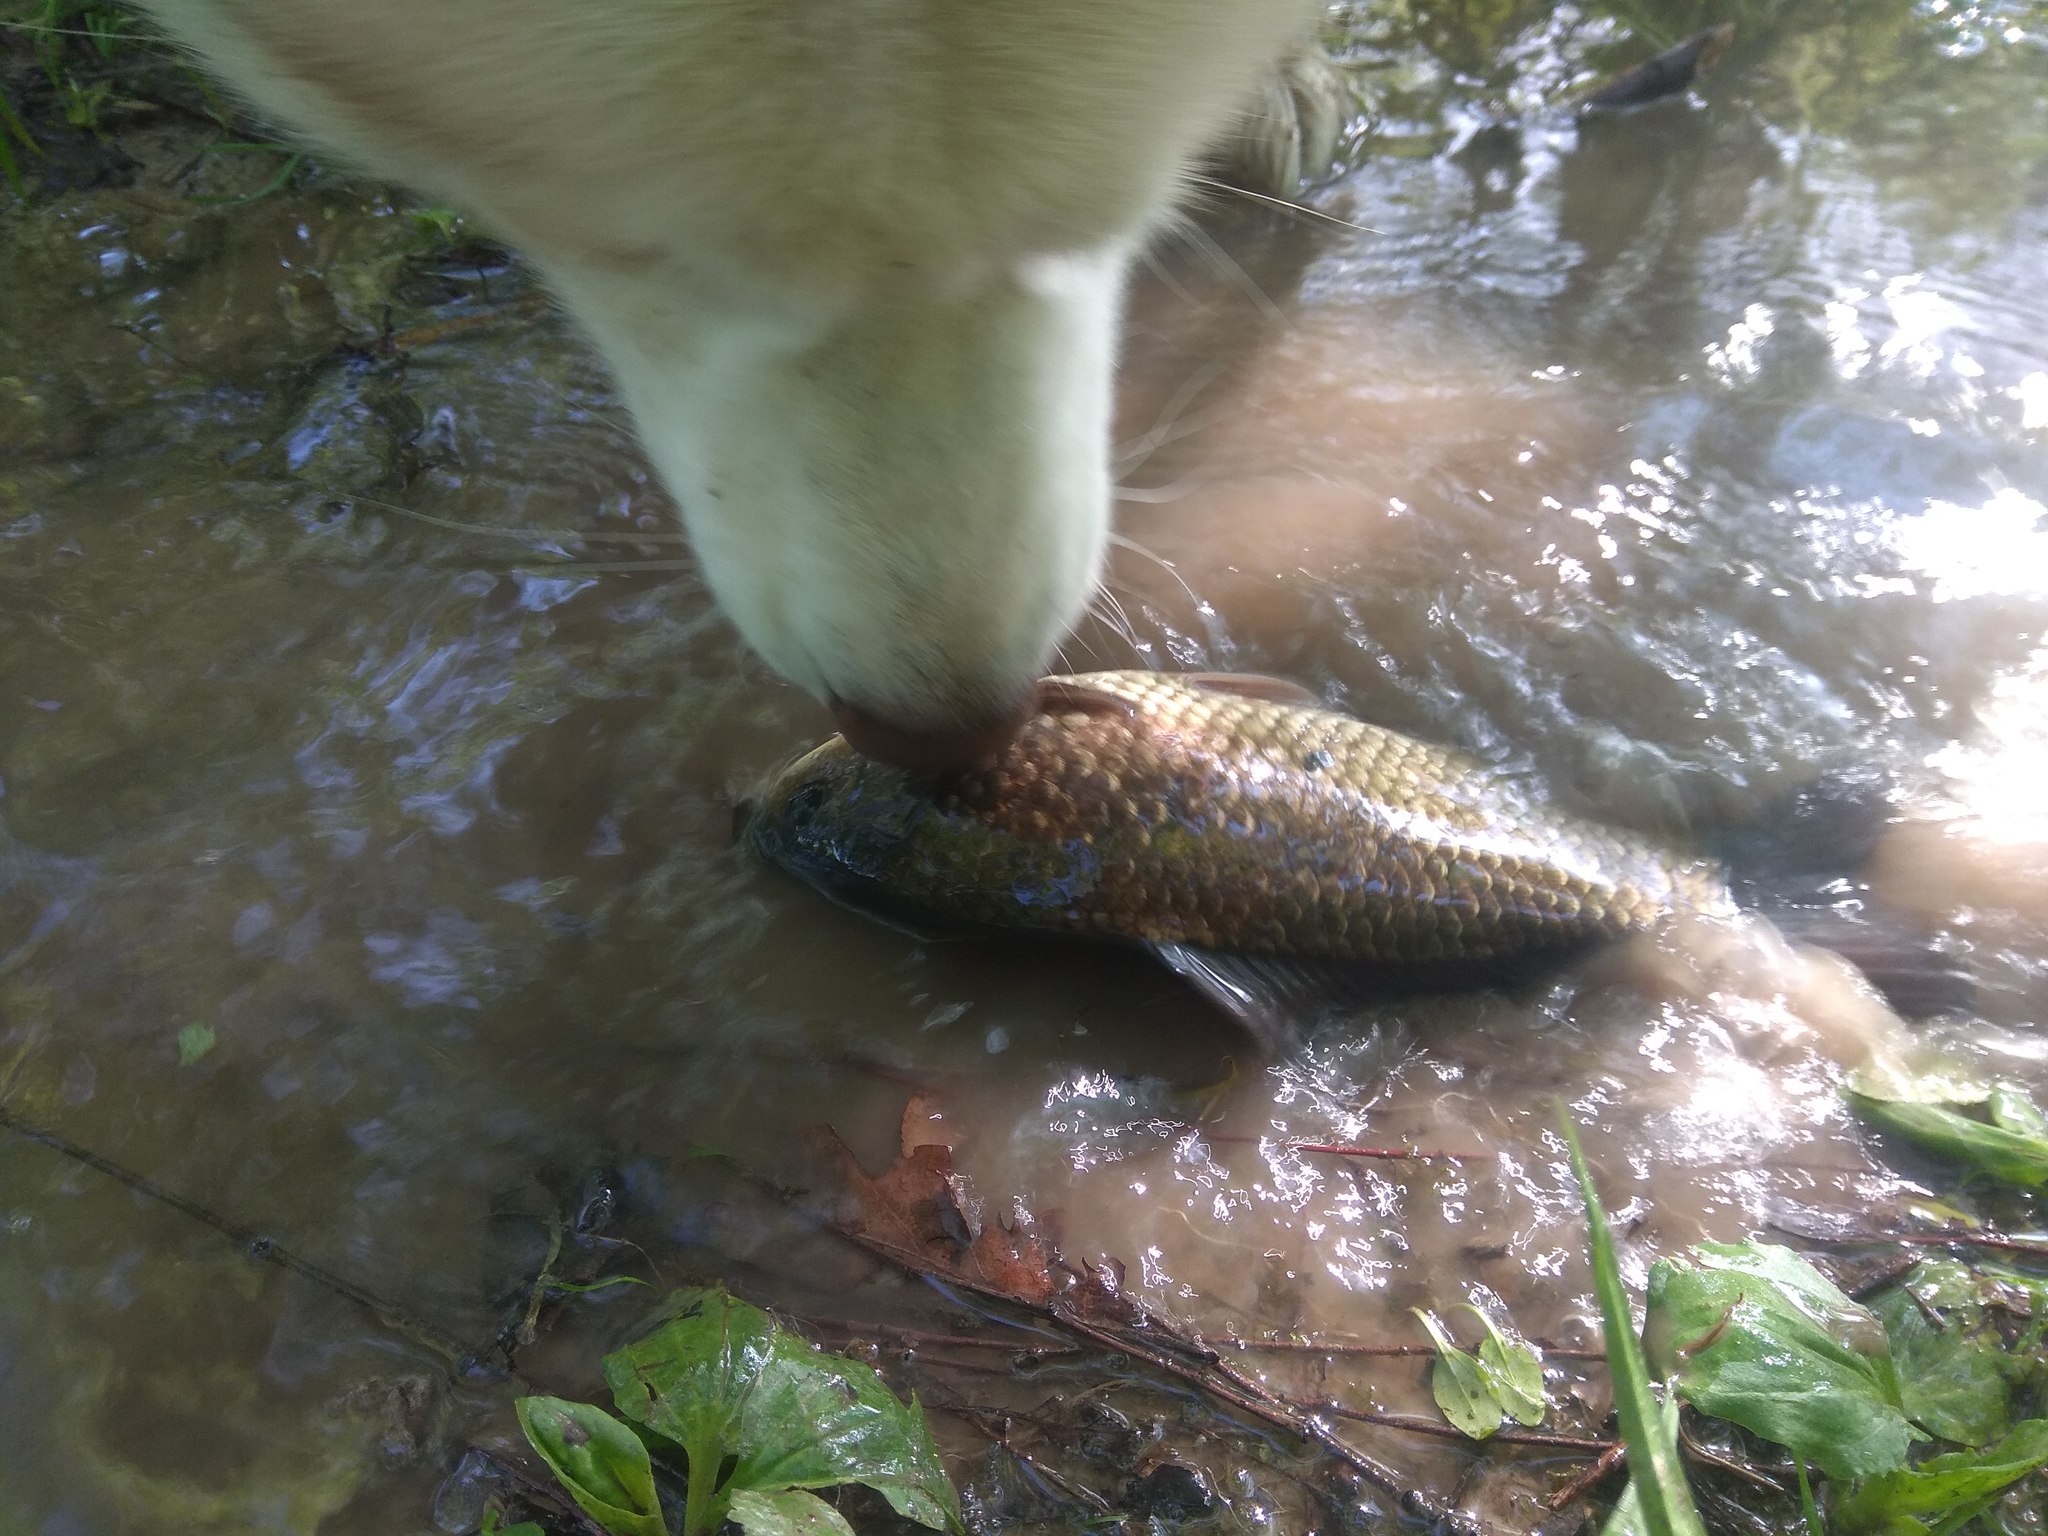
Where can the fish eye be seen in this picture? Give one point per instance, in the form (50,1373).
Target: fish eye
(804,802)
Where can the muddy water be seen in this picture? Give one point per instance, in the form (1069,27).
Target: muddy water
(368,754)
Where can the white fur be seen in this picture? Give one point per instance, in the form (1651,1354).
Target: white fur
(856,263)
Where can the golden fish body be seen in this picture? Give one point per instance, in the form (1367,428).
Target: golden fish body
(1226,814)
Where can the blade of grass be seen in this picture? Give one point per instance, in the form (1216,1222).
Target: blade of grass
(11,126)
(1662,1495)
(1807,1507)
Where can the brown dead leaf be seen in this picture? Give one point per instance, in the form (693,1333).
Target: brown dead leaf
(921,1208)
(925,1125)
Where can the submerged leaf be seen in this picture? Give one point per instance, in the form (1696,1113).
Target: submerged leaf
(2012,1144)
(1753,1333)
(1952,1487)
(2012,1108)
(1459,1385)
(599,1460)
(919,1207)
(1513,1370)
(793,1512)
(722,1379)
(1951,1376)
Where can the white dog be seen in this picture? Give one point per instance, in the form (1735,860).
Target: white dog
(856,264)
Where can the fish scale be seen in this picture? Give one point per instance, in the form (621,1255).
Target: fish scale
(1221,814)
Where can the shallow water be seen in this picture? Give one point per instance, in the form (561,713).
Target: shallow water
(368,881)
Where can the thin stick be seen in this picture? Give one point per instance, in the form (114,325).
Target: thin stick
(253,1243)
(1205,1371)
(1579,1486)
(1996,1242)
(1415,1424)
(1315,1346)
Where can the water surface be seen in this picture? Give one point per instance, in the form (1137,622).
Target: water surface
(368,754)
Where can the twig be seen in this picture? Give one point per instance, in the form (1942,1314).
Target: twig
(1315,1346)
(1416,1424)
(1996,1242)
(1579,1486)
(1201,1369)
(253,1243)
(1408,1154)
(1726,1463)
(1065,1486)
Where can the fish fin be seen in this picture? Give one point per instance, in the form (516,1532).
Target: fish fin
(1275,997)
(1058,695)
(1253,685)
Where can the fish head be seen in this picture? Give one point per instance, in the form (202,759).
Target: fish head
(918,847)
(839,820)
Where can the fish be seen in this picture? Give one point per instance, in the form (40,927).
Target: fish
(1207,815)
(1669,73)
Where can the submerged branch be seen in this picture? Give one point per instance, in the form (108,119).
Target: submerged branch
(255,1244)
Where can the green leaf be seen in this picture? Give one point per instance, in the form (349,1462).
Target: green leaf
(1657,1501)
(2011,1145)
(793,1512)
(1628,1518)
(1512,1368)
(1952,1487)
(1753,1333)
(720,1378)
(1459,1385)
(599,1460)
(2013,1109)
(1951,1377)
(570,1288)
(194,1041)
(490,1527)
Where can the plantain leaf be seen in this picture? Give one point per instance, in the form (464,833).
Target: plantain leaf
(792,1512)
(599,1460)
(1459,1385)
(1512,1368)
(1752,1333)
(2009,1141)
(1952,1368)
(721,1379)
(1952,1488)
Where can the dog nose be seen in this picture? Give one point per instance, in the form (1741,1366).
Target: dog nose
(929,749)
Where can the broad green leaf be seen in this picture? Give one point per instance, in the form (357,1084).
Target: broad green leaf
(1512,1368)
(1949,1486)
(1752,1333)
(1658,1502)
(1951,1377)
(2011,1145)
(194,1041)
(722,1379)
(599,1460)
(2012,1108)
(793,1512)
(1458,1384)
